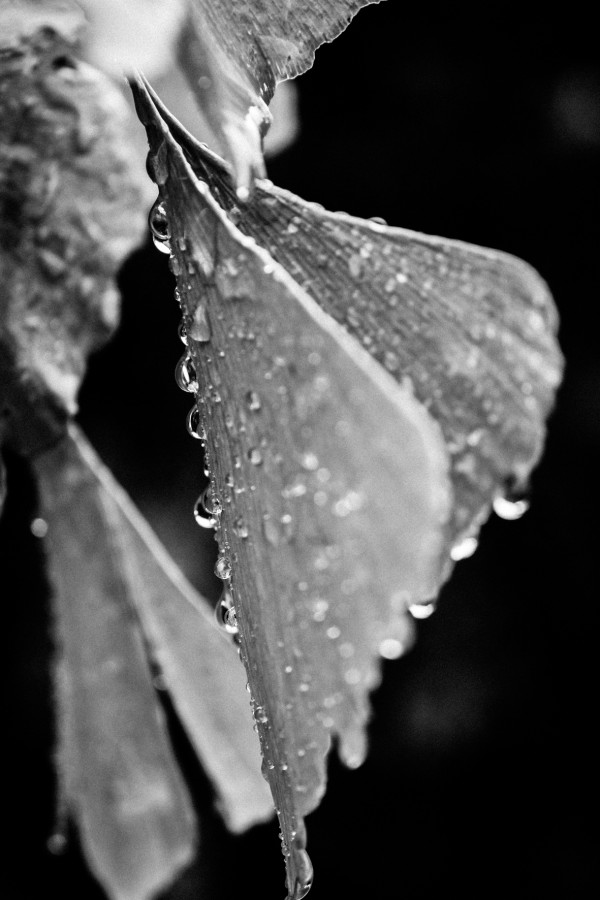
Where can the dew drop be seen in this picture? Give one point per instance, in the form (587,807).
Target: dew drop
(510,510)
(185,375)
(421,610)
(181,331)
(240,528)
(39,528)
(390,648)
(463,549)
(225,613)
(310,462)
(253,401)
(203,518)
(159,226)
(194,424)
(223,567)
(200,329)
(333,632)
(255,456)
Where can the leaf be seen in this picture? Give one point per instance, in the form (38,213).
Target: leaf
(198,664)
(235,53)
(118,775)
(328,483)
(472,330)
(70,211)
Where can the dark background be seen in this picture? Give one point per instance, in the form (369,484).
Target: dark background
(481,779)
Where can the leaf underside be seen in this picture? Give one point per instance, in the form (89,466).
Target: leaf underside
(235,53)
(332,477)
(114,583)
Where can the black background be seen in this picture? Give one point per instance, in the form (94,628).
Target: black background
(480,779)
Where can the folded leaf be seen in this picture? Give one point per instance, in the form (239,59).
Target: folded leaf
(70,211)
(472,330)
(329,488)
(117,774)
(198,664)
(235,53)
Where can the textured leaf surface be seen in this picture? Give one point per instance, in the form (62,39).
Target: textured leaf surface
(331,487)
(235,53)
(114,583)
(472,330)
(70,212)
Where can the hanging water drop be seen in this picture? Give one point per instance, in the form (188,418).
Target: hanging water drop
(510,510)
(159,226)
(225,613)
(200,513)
(421,610)
(185,375)
(181,331)
(194,424)
(464,548)
(223,567)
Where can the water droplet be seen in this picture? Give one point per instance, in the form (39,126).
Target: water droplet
(510,510)
(225,613)
(355,265)
(181,331)
(204,517)
(57,843)
(255,456)
(185,375)
(320,608)
(223,567)
(352,676)
(309,461)
(253,401)
(194,424)
(39,528)
(333,632)
(159,226)
(421,610)
(464,548)
(174,266)
(378,220)
(240,528)
(390,648)
(200,329)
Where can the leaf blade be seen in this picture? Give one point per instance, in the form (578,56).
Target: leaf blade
(199,666)
(288,405)
(116,770)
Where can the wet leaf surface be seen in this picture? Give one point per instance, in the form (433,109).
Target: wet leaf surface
(329,491)
(116,590)
(70,212)
(472,330)
(235,53)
